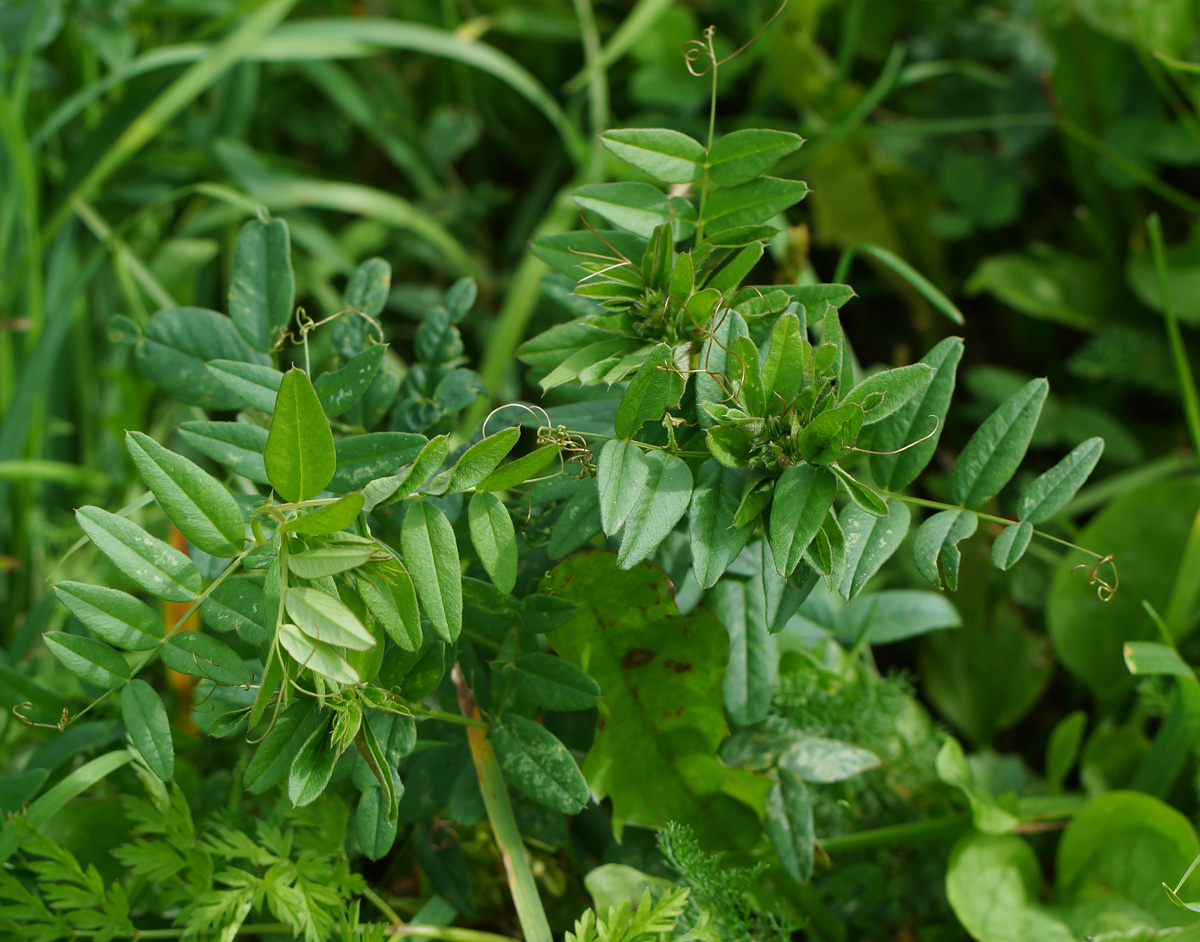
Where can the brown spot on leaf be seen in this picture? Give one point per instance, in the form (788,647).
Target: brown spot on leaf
(636,658)
(679,667)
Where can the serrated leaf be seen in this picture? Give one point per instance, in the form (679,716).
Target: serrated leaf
(262,290)
(935,546)
(200,655)
(656,387)
(114,616)
(1011,544)
(623,473)
(870,542)
(395,606)
(320,658)
(237,445)
(715,542)
(494,539)
(329,560)
(519,471)
(312,768)
(789,825)
(160,569)
(146,722)
(995,451)
(327,619)
(538,765)
(555,684)
(741,156)
(662,504)
(481,459)
(254,384)
(329,519)
(803,495)
(196,502)
(1048,493)
(339,390)
(388,490)
(88,659)
(666,155)
(431,556)
(299,454)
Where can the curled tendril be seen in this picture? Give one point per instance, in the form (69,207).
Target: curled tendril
(1105,591)
(307,325)
(702,50)
(19,709)
(441,826)
(937,423)
(570,444)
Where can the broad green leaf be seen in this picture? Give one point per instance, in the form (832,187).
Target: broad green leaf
(1011,544)
(271,761)
(1048,493)
(746,374)
(312,767)
(555,684)
(814,759)
(1153,657)
(146,722)
(953,769)
(481,459)
(995,451)
(362,459)
(160,569)
(196,502)
(783,369)
(578,522)
(601,352)
(567,251)
(623,473)
(656,387)
(721,330)
(368,289)
(803,495)
(1063,748)
(262,291)
(299,455)
(494,539)
(431,556)
(115,616)
(913,421)
(88,658)
(320,658)
(666,155)
(935,546)
(538,765)
(519,471)
(864,498)
(377,760)
(831,434)
(741,156)
(177,346)
(238,605)
(895,615)
(254,384)
(543,613)
(327,619)
(395,606)
(751,203)
(388,490)
(714,540)
(200,655)
(655,761)
(637,207)
(237,445)
(790,825)
(730,446)
(884,393)
(328,519)
(662,504)
(339,390)
(329,560)
(870,542)
(782,597)
(750,677)
(376,833)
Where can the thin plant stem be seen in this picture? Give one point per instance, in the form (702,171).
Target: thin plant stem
(1187,382)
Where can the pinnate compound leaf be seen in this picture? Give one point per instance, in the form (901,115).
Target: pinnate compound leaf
(715,541)
(668,156)
(362,459)
(657,762)
(790,824)
(935,546)
(912,421)
(114,616)
(555,684)
(199,655)
(196,502)
(1048,493)
(803,495)
(237,445)
(262,291)
(885,393)
(741,156)
(327,619)
(320,658)
(299,455)
(339,390)
(481,459)
(494,539)
(160,569)
(538,765)
(1011,544)
(623,474)
(662,504)
(329,519)
(88,659)
(147,725)
(656,387)
(995,451)
(870,542)
(431,556)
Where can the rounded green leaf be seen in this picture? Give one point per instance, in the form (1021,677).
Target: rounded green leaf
(555,684)
(431,556)
(115,616)
(262,290)
(375,831)
(662,504)
(273,758)
(196,502)
(160,569)
(538,765)
(935,545)
(519,471)
(481,459)
(666,155)
(299,455)
(339,390)
(89,659)
(803,496)
(148,727)
(656,387)
(320,658)
(715,541)
(329,560)
(238,605)
(395,607)
(1011,544)
(494,539)
(815,759)
(870,542)
(255,384)
(364,458)
(741,156)
(200,655)
(621,479)
(327,619)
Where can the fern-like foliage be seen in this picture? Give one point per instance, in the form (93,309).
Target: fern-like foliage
(652,920)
